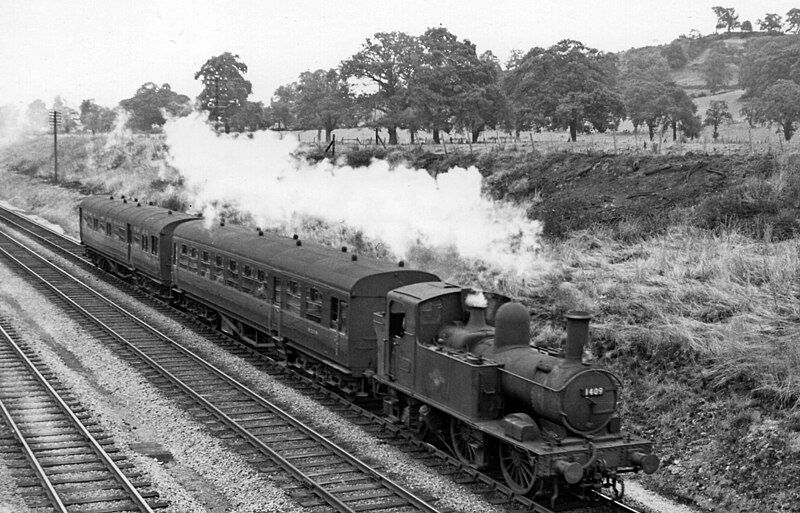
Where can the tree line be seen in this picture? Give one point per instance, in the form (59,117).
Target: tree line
(438,83)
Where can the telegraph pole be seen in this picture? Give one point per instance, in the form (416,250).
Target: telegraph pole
(55,120)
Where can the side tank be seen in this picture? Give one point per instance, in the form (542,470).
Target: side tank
(567,392)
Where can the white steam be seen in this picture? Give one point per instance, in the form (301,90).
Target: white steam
(476,300)
(401,206)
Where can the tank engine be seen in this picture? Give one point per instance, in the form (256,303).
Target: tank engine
(549,422)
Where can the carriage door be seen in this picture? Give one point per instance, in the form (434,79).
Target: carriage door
(400,347)
(275,307)
(130,242)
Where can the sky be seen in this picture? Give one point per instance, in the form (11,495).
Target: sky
(105,50)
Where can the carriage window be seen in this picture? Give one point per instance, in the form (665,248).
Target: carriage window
(154,244)
(218,261)
(232,266)
(293,296)
(314,305)
(247,270)
(205,256)
(108,229)
(262,276)
(144,242)
(184,249)
(121,233)
(194,253)
(338,315)
(276,290)
(96,223)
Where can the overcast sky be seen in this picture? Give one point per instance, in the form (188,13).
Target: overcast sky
(106,49)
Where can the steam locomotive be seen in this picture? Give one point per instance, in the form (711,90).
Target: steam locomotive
(450,363)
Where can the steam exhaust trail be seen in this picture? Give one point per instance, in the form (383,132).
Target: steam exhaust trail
(401,206)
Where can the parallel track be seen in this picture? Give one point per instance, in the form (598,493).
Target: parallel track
(325,474)
(59,457)
(490,487)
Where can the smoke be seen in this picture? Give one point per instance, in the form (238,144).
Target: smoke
(400,206)
(476,300)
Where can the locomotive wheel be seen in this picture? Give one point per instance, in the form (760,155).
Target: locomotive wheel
(468,444)
(518,469)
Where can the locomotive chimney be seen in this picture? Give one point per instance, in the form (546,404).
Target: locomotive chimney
(577,334)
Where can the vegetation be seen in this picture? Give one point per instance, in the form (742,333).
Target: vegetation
(716,115)
(146,106)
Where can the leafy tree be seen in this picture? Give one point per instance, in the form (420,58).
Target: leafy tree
(747,26)
(780,103)
(386,64)
(249,117)
(678,109)
(676,57)
(146,105)
(645,79)
(766,60)
(751,113)
(715,70)
(691,126)
(563,84)
(323,101)
(96,118)
(454,86)
(36,115)
(716,114)
(793,20)
(726,18)
(283,105)
(225,90)
(771,23)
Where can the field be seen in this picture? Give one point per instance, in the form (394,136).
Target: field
(695,305)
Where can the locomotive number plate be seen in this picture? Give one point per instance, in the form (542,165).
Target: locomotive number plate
(592,392)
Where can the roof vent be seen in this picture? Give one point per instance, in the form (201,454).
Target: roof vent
(298,243)
(138,204)
(344,249)
(124,200)
(169,212)
(260,232)
(150,203)
(123,196)
(295,236)
(222,222)
(258,228)
(401,264)
(353,257)
(199,214)
(136,199)
(111,197)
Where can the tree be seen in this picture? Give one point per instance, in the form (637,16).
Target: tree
(225,90)
(323,101)
(771,23)
(146,106)
(780,103)
(715,70)
(751,113)
(454,86)
(726,18)
(69,115)
(716,114)
(96,118)
(283,105)
(645,76)
(691,126)
(766,60)
(562,84)
(676,57)
(36,115)
(678,109)
(747,26)
(249,117)
(385,65)
(793,20)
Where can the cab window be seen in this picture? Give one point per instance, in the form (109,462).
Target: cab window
(314,305)
(338,315)
(293,296)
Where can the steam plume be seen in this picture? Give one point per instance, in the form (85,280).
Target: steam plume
(401,206)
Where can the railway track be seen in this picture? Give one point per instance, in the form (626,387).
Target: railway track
(324,474)
(488,486)
(59,457)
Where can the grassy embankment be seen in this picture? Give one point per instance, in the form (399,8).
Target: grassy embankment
(701,321)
